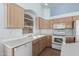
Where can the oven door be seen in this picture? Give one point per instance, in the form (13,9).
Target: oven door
(58,40)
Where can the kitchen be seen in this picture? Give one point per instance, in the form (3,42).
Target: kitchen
(34,33)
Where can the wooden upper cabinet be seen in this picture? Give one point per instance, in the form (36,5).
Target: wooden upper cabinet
(14,16)
(50,23)
(41,23)
(69,24)
(67,21)
(76,17)
(46,24)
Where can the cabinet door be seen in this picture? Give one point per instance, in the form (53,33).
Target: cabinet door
(24,50)
(42,23)
(44,42)
(70,39)
(46,24)
(41,45)
(35,48)
(49,41)
(76,18)
(68,22)
(19,16)
(14,16)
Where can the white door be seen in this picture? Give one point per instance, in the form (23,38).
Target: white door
(24,50)
(77,30)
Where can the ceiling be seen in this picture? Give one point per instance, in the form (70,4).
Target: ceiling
(51,5)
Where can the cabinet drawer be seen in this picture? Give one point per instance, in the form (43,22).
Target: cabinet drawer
(70,39)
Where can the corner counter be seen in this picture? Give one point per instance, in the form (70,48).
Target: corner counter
(21,46)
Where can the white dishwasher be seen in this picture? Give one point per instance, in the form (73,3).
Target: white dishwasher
(24,50)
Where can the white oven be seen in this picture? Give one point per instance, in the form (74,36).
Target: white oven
(57,42)
(58,37)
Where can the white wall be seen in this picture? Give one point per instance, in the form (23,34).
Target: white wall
(46,31)
(46,13)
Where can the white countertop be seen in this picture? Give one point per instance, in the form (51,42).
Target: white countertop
(20,41)
(70,49)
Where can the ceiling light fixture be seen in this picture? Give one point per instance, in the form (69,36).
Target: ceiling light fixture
(46,4)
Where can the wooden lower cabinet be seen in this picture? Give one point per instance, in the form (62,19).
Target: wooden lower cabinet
(49,41)
(45,42)
(35,48)
(40,44)
(70,39)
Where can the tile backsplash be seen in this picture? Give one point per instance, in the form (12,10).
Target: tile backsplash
(46,31)
(69,32)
